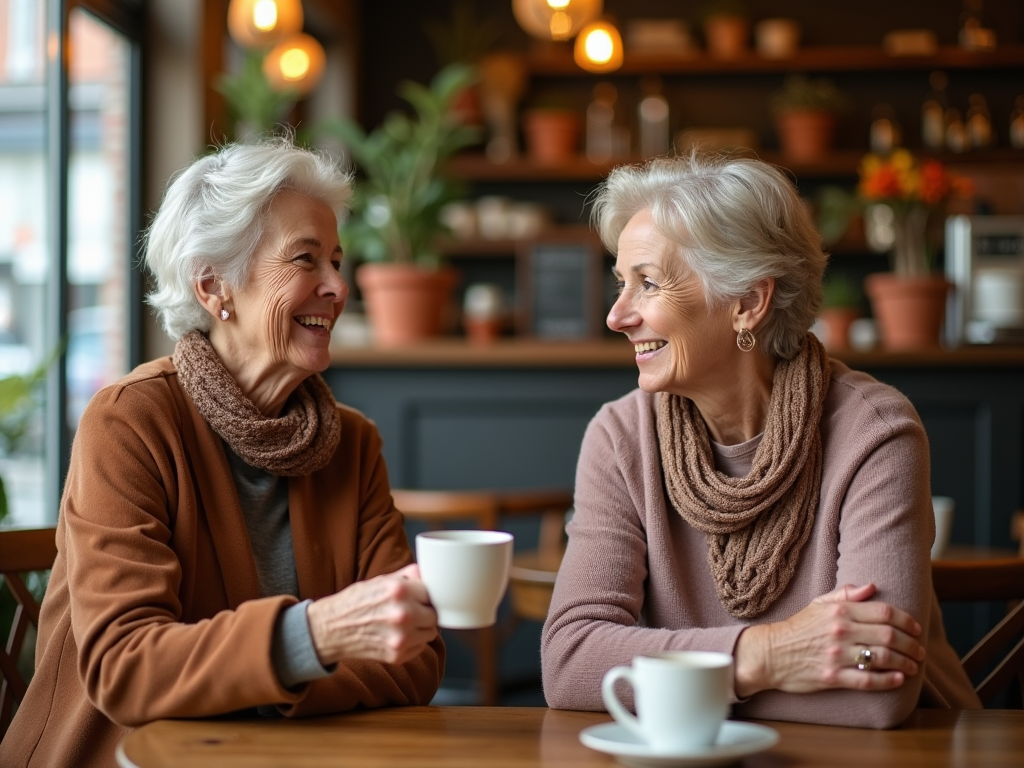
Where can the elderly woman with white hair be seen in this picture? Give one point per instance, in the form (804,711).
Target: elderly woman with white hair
(752,496)
(227,540)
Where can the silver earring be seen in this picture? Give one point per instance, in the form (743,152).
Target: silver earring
(745,340)
(224,314)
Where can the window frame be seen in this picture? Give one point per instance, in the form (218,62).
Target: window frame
(126,17)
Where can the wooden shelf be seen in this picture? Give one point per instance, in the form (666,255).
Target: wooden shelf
(479,247)
(455,352)
(842,163)
(557,61)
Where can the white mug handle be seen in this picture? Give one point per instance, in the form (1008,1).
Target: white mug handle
(611,700)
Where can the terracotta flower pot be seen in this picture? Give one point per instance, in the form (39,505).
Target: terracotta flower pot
(806,136)
(909,310)
(837,321)
(404,303)
(552,135)
(726,35)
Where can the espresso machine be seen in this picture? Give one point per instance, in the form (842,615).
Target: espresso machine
(985,262)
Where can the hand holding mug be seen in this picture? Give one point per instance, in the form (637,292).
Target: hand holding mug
(387,618)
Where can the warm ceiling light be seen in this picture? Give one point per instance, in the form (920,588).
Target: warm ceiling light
(599,47)
(555,19)
(261,23)
(296,62)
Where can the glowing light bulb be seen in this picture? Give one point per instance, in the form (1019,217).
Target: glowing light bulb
(558,5)
(264,15)
(599,46)
(294,64)
(561,25)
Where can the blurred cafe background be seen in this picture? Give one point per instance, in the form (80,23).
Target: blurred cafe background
(519,110)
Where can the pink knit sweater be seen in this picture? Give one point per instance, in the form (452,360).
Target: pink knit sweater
(635,577)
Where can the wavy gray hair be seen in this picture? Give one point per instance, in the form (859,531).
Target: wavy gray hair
(737,221)
(213,218)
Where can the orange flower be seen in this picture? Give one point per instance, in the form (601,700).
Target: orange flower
(901,178)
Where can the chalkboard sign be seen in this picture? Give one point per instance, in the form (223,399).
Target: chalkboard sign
(560,286)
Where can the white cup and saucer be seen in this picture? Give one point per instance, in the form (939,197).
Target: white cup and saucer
(682,702)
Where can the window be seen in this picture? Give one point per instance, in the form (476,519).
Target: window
(69,218)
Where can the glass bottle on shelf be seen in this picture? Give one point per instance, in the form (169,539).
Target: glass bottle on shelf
(606,139)
(979,123)
(956,133)
(933,112)
(974,35)
(885,134)
(1017,125)
(653,119)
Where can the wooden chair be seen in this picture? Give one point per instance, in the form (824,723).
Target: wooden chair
(484,509)
(21,551)
(1017,530)
(989,580)
(532,578)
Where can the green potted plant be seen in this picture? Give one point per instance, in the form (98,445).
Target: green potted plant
(396,215)
(840,306)
(806,112)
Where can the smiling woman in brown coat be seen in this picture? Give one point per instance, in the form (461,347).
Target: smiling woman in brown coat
(227,539)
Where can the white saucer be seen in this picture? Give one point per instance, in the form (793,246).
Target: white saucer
(735,739)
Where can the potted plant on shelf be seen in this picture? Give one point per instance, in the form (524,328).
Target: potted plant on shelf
(552,129)
(900,193)
(396,214)
(840,306)
(726,26)
(806,112)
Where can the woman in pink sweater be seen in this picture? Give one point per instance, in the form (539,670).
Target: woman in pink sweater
(752,496)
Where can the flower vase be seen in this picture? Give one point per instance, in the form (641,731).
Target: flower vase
(910,247)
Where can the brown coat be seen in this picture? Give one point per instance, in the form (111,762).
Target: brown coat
(153,608)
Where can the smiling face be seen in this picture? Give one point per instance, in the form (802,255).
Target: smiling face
(683,345)
(281,319)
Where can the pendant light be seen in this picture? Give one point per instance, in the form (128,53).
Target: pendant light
(555,19)
(295,62)
(261,23)
(598,47)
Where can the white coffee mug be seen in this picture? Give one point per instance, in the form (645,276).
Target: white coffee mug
(943,507)
(466,574)
(681,698)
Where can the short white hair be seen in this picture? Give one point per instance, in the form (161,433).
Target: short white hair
(213,219)
(736,221)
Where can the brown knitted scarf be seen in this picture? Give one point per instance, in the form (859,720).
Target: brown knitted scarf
(757,525)
(299,442)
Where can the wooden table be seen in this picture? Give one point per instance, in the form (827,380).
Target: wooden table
(526,737)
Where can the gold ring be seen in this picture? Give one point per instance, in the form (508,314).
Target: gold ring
(863,659)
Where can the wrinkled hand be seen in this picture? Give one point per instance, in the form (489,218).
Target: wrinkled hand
(387,618)
(816,648)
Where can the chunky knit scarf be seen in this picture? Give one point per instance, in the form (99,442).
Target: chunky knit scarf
(298,442)
(757,525)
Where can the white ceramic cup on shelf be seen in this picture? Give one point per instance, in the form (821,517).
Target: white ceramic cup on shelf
(466,574)
(682,698)
(943,507)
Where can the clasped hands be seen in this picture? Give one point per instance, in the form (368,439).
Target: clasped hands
(388,619)
(817,648)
